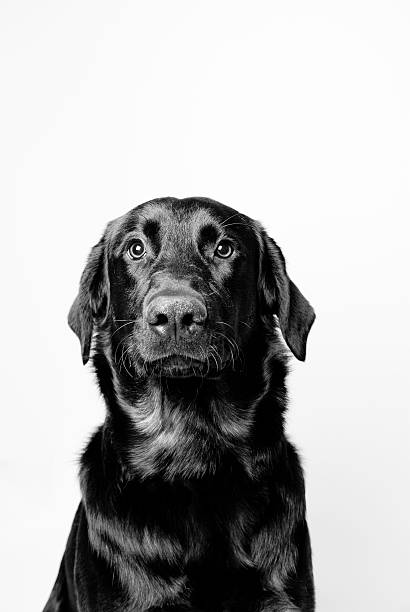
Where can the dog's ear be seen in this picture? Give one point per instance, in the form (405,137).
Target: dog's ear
(281,297)
(92,301)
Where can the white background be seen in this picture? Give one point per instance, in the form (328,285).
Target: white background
(295,113)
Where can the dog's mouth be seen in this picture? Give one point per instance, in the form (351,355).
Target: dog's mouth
(182,366)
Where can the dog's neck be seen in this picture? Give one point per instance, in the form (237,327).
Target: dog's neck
(190,428)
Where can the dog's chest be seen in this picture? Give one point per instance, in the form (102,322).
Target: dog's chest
(203,536)
(207,524)
(171,541)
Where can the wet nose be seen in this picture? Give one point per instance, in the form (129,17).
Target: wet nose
(176,316)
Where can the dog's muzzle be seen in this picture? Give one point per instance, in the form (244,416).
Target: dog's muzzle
(176,315)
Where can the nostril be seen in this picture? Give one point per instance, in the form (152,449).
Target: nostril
(199,316)
(187,319)
(191,321)
(161,319)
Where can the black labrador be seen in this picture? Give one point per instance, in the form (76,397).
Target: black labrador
(192,497)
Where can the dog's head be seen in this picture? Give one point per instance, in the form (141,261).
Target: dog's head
(179,287)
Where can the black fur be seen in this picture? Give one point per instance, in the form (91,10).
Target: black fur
(192,497)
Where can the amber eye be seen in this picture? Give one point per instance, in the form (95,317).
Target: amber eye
(224,249)
(136,250)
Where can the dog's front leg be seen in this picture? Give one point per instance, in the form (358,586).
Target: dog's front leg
(270,602)
(175,608)
(278,602)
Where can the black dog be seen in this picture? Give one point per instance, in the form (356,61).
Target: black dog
(192,497)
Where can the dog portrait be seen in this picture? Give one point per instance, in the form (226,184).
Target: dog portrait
(179,432)
(192,496)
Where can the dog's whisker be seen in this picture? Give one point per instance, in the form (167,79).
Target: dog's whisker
(121,361)
(123,340)
(220,292)
(224,323)
(126,355)
(233,345)
(236,223)
(124,325)
(214,358)
(230,341)
(215,355)
(223,224)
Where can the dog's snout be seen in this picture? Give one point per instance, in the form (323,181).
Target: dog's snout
(176,315)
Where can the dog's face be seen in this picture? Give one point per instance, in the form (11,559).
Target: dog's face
(179,286)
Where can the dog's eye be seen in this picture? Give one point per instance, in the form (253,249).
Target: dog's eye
(224,249)
(136,250)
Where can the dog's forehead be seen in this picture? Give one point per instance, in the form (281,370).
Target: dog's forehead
(176,221)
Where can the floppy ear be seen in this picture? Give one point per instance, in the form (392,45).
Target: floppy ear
(281,297)
(92,301)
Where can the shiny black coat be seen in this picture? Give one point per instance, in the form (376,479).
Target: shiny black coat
(192,497)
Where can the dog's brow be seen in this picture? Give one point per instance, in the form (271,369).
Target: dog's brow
(208,233)
(151,230)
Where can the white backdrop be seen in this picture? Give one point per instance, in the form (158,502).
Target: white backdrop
(296,113)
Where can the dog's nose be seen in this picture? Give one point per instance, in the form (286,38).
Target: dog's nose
(176,315)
